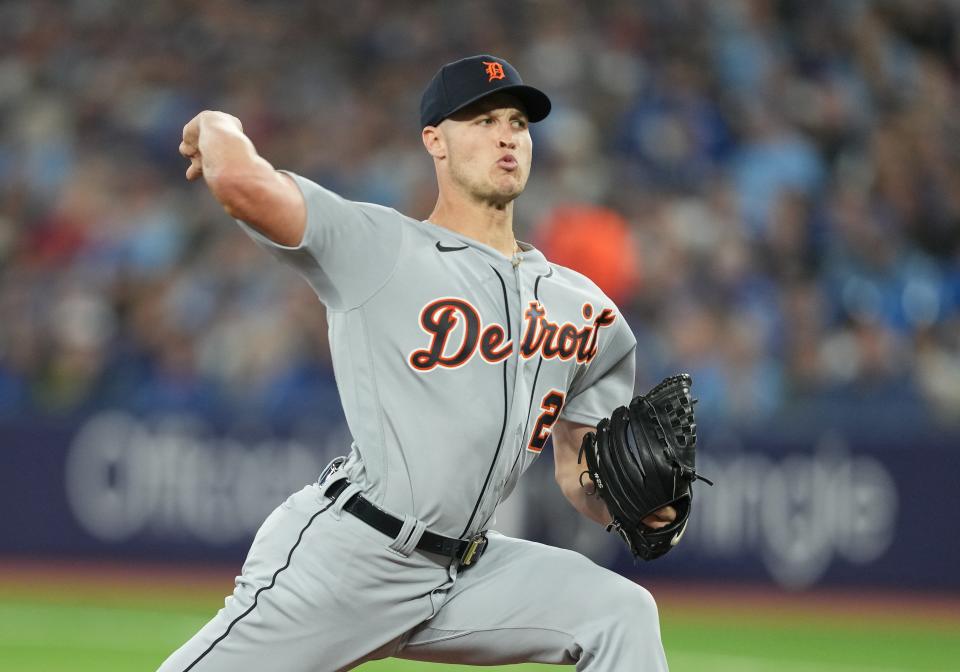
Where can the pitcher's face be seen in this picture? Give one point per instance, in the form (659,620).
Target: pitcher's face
(489,149)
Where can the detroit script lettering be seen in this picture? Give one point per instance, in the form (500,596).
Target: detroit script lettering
(550,340)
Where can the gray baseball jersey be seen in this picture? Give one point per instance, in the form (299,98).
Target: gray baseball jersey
(453,364)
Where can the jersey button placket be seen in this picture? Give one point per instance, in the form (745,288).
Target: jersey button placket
(508,457)
(521,389)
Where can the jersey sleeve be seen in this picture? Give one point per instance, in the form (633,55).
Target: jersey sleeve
(607,382)
(348,249)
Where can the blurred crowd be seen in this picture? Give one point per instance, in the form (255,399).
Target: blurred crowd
(783,178)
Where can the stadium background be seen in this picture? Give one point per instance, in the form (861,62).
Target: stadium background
(769,189)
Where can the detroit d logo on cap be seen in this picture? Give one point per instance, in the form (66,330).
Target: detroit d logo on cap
(494,70)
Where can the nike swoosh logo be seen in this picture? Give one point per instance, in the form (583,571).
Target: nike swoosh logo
(444,248)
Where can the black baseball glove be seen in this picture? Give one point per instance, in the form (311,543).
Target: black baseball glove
(642,459)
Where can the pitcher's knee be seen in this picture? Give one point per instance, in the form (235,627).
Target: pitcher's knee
(637,608)
(624,632)
(624,605)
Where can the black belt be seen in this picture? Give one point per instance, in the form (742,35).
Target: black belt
(466,551)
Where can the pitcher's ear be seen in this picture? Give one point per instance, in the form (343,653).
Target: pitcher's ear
(434,141)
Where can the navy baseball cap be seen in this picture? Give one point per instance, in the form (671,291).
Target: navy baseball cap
(466,81)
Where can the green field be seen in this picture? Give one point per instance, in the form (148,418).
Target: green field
(76,625)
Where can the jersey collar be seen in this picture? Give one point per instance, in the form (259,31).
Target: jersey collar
(529,256)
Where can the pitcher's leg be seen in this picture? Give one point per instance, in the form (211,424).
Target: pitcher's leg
(529,602)
(302,603)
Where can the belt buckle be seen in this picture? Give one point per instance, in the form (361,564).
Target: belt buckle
(333,467)
(476,547)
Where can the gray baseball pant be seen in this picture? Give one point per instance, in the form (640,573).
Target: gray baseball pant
(322,591)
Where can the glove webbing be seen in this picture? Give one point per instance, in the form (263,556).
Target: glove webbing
(687,429)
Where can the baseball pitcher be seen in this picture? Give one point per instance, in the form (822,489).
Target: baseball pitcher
(458,351)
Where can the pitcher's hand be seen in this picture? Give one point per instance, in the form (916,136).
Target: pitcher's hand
(190,146)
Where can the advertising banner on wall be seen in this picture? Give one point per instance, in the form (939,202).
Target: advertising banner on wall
(833,507)
(830,506)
